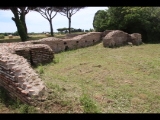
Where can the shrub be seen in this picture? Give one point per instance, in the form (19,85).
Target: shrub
(1,36)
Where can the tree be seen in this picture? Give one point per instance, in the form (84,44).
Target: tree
(46,12)
(64,29)
(19,19)
(100,20)
(69,12)
(144,20)
(60,30)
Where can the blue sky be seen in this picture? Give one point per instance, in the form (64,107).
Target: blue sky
(83,19)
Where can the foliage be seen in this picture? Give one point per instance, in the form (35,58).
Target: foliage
(89,105)
(99,21)
(91,30)
(1,36)
(144,20)
(62,30)
(15,33)
(77,30)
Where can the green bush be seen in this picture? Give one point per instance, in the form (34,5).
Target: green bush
(143,20)
(15,33)
(1,36)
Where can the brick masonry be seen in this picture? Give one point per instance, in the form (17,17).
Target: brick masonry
(16,73)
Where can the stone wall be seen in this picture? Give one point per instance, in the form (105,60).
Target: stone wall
(16,73)
(115,38)
(68,36)
(106,32)
(119,38)
(80,41)
(136,38)
(19,79)
(35,54)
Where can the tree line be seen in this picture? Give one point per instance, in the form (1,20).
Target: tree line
(47,12)
(144,20)
(65,30)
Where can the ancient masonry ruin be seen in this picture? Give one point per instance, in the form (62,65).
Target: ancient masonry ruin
(117,38)
(16,73)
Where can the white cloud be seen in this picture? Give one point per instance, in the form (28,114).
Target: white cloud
(36,23)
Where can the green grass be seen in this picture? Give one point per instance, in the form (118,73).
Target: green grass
(7,105)
(88,104)
(121,80)
(103,80)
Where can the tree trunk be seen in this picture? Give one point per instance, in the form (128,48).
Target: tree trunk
(22,18)
(69,28)
(19,24)
(51,27)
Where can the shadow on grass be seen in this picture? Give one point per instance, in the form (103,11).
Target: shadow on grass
(15,105)
(5,99)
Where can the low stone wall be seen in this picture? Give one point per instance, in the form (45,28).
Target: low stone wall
(16,73)
(80,41)
(35,54)
(68,36)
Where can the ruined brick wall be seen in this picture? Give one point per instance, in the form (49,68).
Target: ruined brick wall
(106,32)
(19,79)
(119,38)
(35,54)
(72,35)
(16,73)
(115,38)
(136,38)
(58,45)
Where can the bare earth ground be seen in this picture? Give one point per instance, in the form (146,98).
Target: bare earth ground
(103,80)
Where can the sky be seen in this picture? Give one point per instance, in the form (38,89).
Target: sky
(83,19)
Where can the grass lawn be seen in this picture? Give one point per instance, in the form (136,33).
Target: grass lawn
(104,80)
(98,79)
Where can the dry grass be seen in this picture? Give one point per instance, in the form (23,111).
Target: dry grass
(32,37)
